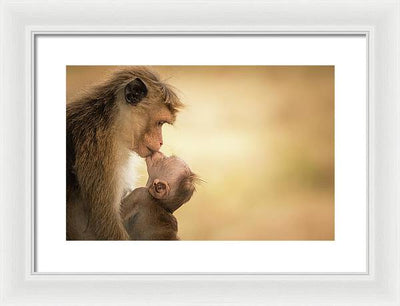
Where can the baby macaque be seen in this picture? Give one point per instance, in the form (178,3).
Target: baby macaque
(147,211)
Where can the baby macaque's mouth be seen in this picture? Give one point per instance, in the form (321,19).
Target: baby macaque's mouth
(155,157)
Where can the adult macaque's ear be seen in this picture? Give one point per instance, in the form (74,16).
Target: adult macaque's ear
(159,189)
(135,91)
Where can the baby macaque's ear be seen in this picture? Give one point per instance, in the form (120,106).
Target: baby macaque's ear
(159,189)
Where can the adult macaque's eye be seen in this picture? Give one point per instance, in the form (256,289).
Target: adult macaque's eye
(135,91)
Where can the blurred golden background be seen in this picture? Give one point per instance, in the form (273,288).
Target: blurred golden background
(262,139)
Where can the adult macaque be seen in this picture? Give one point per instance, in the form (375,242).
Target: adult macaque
(124,114)
(148,211)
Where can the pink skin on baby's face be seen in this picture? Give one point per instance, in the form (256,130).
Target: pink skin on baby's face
(155,157)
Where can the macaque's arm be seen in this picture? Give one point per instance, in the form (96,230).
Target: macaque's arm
(165,235)
(166,229)
(130,204)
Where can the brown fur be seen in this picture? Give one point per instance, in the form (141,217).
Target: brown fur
(148,215)
(145,219)
(101,131)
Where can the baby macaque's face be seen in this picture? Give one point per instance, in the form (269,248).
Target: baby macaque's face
(170,180)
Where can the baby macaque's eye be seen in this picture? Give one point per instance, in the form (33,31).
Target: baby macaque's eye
(160,123)
(159,187)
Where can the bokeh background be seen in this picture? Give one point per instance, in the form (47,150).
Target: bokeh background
(261,138)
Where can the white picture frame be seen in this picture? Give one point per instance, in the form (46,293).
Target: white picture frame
(379,21)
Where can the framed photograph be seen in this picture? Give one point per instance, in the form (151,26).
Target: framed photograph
(262,138)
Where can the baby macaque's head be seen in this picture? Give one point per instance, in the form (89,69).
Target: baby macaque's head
(170,180)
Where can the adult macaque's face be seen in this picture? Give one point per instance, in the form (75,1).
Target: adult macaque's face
(152,139)
(148,113)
